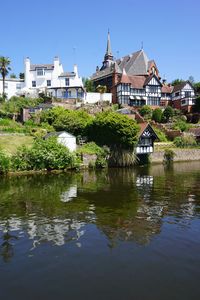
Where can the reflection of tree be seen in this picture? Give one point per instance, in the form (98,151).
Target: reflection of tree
(7,249)
(124,204)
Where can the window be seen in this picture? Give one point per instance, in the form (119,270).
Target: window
(153,101)
(153,89)
(66,81)
(177,94)
(40,72)
(18,86)
(33,83)
(188,94)
(48,82)
(5,85)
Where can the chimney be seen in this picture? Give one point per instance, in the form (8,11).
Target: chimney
(27,67)
(76,70)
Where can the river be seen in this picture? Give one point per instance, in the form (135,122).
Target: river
(110,234)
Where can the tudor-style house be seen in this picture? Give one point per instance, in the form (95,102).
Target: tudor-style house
(134,80)
(183,96)
(147,136)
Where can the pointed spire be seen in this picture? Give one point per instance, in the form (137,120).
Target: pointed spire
(108,49)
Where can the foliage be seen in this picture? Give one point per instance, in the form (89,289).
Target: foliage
(122,158)
(89,85)
(50,115)
(44,154)
(101,89)
(90,148)
(21,75)
(157,115)
(4,162)
(193,118)
(168,156)
(10,143)
(113,129)
(11,126)
(12,75)
(74,122)
(161,135)
(185,141)
(167,114)
(4,70)
(146,111)
(197,105)
(15,104)
(197,87)
(181,125)
(177,81)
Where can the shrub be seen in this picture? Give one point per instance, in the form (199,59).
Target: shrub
(113,130)
(146,111)
(181,125)
(44,154)
(169,156)
(185,141)
(157,115)
(161,136)
(4,163)
(167,114)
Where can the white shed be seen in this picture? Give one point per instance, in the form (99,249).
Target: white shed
(64,138)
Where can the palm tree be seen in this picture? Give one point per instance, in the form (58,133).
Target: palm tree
(4,70)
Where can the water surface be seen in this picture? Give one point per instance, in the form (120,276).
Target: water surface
(116,234)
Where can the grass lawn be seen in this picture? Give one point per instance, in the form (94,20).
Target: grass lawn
(10,143)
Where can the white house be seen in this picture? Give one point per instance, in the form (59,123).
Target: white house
(52,79)
(64,138)
(13,86)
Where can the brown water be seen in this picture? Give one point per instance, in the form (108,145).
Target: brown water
(117,234)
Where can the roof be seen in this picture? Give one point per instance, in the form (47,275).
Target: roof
(108,49)
(148,79)
(136,63)
(167,89)
(144,126)
(58,133)
(67,74)
(181,85)
(45,66)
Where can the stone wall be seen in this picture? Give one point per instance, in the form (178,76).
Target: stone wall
(180,155)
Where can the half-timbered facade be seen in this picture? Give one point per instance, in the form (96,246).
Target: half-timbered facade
(183,96)
(139,90)
(147,136)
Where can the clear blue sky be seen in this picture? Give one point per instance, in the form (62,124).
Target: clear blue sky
(41,29)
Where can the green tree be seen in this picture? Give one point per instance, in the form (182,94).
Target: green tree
(191,79)
(177,81)
(167,114)
(4,70)
(21,75)
(12,75)
(114,130)
(74,122)
(89,85)
(146,111)
(157,115)
(197,87)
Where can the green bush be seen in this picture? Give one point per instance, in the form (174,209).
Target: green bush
(146,111)
(157,115)
(185,141)
(169,156)
(112,129)
(44,154)
(161,136)
(90,148)
(181,125)
(4,163)
(168,113)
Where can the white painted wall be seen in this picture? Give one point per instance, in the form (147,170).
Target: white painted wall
(13,86)
(67,140)
(92,98)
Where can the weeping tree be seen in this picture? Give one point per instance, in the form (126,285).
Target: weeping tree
(4,70)
(119,133)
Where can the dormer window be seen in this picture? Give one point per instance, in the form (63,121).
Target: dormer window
(40,72)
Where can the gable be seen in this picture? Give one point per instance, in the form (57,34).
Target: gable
(188,87)
(154,81)
(148,132)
